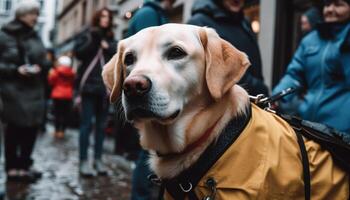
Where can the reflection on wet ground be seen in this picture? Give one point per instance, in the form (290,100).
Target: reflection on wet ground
(58,160)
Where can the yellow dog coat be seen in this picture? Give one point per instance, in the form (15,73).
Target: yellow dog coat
(265,163)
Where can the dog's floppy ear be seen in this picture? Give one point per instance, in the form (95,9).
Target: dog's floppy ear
(113,74)
(225,65)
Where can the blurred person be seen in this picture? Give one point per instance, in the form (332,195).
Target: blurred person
(308,22)
(61,79)
(93,49)
(23,69)
(227,18)
(320,70)
(50,56)
(152,13)
(309,19)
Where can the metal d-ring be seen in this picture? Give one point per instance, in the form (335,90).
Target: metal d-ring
(186,190)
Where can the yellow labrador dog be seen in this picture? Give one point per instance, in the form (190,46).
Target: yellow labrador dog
(178,86)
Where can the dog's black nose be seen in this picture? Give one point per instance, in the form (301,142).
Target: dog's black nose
(136,86)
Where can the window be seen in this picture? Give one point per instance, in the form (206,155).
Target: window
(95,5)
(41,4)
(8,5)
(5,5)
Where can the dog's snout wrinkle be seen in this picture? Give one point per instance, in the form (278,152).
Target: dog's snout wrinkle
(137,86)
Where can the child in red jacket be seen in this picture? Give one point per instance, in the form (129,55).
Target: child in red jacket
(61,79)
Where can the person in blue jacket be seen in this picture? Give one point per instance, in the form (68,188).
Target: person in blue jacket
(152,13)
(320,70)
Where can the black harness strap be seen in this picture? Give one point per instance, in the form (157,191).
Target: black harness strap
(183,185)
(305,162)
(296,124)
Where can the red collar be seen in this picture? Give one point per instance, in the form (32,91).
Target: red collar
(193,145)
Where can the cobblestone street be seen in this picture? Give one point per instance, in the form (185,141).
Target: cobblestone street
(58,160)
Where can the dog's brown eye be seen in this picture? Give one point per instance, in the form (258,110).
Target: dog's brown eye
(129,59)
(176,53)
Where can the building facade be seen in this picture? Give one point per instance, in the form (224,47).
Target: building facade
(74,17)
(45,22)
(6,7)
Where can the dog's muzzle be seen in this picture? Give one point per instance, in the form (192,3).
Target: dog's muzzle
(142,101)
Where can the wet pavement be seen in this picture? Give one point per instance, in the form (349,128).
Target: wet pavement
(58,160)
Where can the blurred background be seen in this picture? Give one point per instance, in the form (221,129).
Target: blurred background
(276,23)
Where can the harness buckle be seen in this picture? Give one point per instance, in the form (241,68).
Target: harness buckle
(266,103)
(258,98)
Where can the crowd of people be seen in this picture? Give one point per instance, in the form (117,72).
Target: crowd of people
(26,68)
(319,71)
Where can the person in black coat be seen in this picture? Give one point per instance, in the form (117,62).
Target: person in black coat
(94,49)
(227,18)
(23,70)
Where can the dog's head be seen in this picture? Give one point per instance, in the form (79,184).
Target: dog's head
(161,70)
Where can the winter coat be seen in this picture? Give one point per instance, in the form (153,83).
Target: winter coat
(23,97)
(235,29)
(320,69)
(265,163)
(86,48)
(61,80)
(151,14)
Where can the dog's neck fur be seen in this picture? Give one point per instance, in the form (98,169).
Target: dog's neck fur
(174,138)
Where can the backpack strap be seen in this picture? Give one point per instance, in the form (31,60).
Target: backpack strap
(183,185)
(98,57)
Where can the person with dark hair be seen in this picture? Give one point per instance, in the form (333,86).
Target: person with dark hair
(23,71)
(152,13)
(309,19)
(93,50)
(227,18)
(320,70)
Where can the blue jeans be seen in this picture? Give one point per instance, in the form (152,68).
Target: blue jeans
(92,106)
(141,188)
